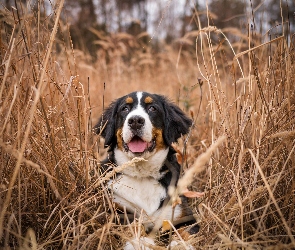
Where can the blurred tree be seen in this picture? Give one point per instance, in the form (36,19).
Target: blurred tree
(273,17)
(230,13)
(132,10)
(134,28)
(82,17)
(278,11)
(191,15)
(7,5)
(166,19)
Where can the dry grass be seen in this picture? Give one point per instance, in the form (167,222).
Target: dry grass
(51,191)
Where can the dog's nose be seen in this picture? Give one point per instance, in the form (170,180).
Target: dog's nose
(136,122)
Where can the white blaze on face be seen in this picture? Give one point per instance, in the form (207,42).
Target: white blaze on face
(146,130)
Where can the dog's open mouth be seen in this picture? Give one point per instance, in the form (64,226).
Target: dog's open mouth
(137,145)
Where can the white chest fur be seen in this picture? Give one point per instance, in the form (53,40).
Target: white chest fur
(149,168)
(133,192)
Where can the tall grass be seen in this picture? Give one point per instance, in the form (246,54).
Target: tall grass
(52,193)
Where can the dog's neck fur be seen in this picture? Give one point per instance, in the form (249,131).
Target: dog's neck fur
(144,169)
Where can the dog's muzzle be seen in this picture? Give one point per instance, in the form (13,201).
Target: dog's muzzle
(137,143)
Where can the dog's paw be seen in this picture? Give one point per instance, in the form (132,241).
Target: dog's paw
(139,244)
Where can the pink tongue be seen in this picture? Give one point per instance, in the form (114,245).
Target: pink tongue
(136,145)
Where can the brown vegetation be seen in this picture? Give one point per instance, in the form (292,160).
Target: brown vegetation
(51,192)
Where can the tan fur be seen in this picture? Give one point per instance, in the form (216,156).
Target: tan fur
(148,100)
(129,100)
(119,139)
(158,137)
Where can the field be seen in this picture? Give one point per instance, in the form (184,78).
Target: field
(52,195)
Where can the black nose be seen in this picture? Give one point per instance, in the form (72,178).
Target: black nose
(136,122)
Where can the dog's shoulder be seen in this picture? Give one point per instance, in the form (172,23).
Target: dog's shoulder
(171,168)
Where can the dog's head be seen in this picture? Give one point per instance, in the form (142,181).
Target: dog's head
(140,124)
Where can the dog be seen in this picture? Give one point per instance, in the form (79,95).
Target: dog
(145,125)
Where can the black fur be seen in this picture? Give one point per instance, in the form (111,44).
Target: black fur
(106,125)
(176,122)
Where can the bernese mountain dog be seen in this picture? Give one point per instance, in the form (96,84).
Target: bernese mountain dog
(145,125)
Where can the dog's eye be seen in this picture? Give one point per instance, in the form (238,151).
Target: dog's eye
(125,109)
(152,109)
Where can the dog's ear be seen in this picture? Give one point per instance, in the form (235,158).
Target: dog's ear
(106,126)
(177,123)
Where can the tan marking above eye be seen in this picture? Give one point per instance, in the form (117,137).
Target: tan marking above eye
(129,100)
(148,99)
